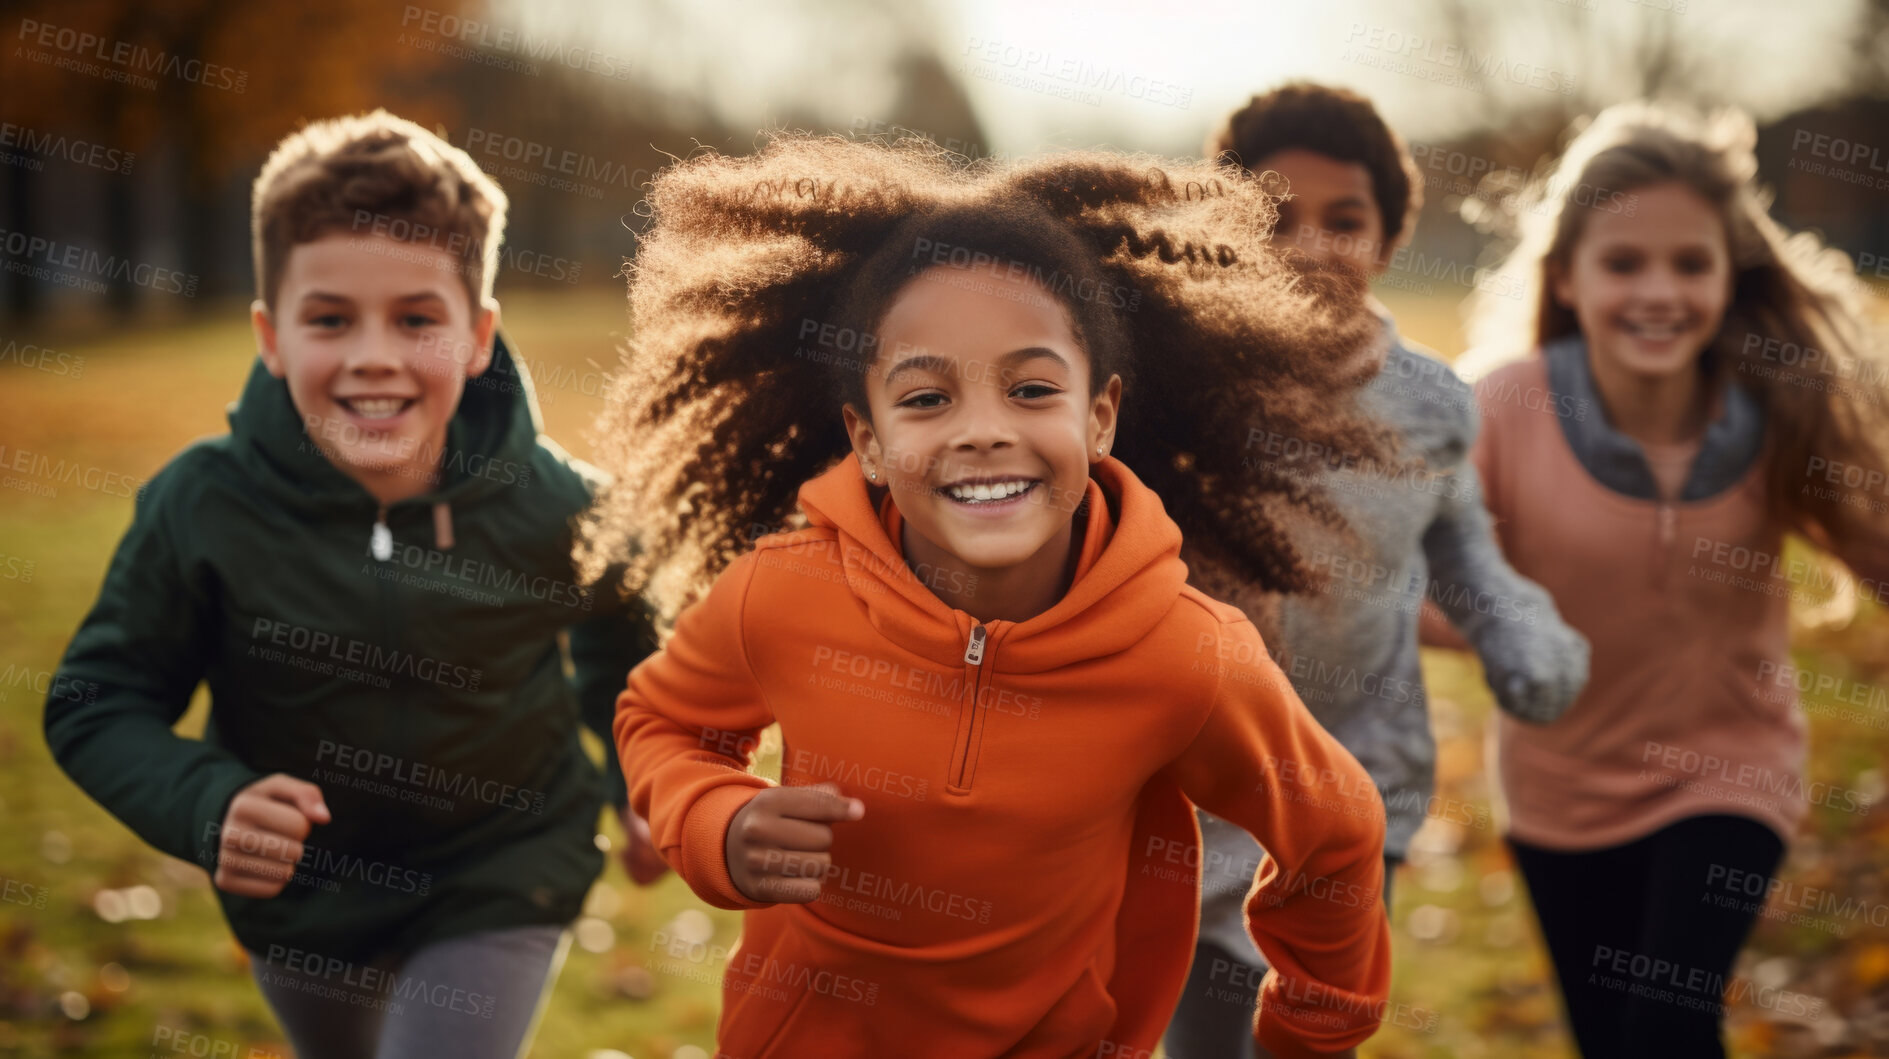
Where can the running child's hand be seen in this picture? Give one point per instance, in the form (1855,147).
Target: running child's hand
(777,844)
(1535,672)
(262,834)
(641,861)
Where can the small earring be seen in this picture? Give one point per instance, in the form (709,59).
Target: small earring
(872,476)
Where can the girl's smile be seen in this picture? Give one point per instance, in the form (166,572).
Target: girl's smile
(1651,288)
(982,423)
(989,497)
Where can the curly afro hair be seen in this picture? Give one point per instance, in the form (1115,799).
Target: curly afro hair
(762,278)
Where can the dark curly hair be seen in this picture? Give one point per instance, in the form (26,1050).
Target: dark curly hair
(1335,122)
(762,278)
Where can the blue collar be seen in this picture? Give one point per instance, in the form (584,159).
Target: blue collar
(1731,444)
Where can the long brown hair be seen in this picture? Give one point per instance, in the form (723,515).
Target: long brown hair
(1786,289)
(761,277)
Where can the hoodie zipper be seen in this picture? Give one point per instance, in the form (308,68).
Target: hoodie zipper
(975,649)
(392,733)
(1667,519)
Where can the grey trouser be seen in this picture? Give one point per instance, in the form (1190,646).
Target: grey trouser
(1215,1017)
(477,996)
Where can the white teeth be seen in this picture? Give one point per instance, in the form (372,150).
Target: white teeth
(1656,332)
(988,490)
(377,407)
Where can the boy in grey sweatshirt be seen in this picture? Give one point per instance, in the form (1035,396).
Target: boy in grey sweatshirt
(1417,531)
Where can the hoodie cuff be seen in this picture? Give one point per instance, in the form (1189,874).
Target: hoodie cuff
(704,856)
(1285,1041)
(212,805)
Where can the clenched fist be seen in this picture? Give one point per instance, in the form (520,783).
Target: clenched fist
(262,834)
(642,861)
(777,844)
(1536,673)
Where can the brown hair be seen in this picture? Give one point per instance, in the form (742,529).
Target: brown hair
(375,174)
(762,279)
(1335,122)
(1785,288)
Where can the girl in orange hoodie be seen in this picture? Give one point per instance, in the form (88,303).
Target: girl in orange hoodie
(997,694)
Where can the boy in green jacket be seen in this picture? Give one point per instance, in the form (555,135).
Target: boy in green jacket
(371,571)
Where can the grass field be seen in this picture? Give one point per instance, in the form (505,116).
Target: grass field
(110,949)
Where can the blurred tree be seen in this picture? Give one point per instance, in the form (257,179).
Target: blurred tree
(1872,50)
(932,98)
(198,144)
(288,63)
(1641,53)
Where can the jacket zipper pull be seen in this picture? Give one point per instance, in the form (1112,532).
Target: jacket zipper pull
(381,541)
(974,650)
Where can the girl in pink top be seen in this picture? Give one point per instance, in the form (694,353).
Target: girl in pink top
(1702,384)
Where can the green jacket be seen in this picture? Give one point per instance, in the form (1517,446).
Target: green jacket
(424,691)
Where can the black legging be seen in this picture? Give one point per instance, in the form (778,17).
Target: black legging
(1643,935)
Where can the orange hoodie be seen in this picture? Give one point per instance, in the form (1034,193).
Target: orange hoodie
(1025,879)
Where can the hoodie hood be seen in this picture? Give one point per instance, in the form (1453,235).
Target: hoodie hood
(497,420)
(1129,574)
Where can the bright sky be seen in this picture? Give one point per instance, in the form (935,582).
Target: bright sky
(1053,73)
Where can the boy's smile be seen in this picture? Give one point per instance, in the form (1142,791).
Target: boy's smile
(375,410)
(376,339)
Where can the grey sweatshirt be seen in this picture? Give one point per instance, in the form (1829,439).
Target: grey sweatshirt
(1351,652)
